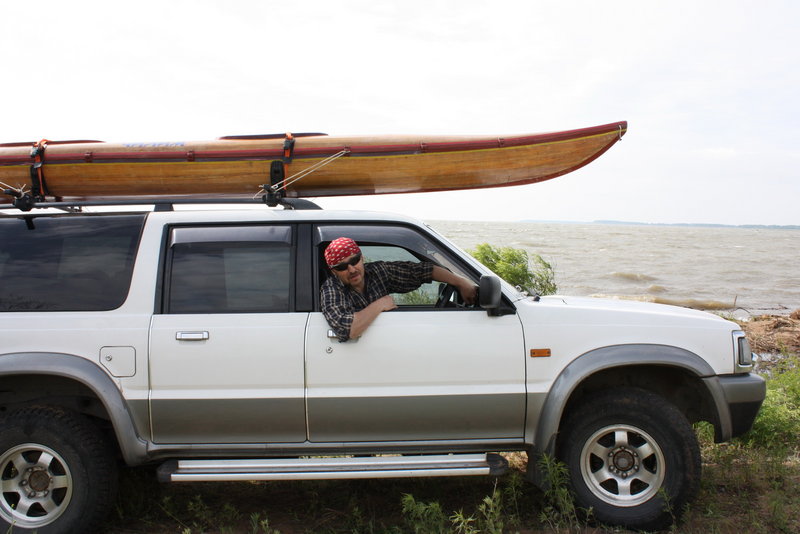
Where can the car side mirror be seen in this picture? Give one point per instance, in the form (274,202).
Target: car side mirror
(489,292)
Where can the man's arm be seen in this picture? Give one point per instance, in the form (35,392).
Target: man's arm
(466,288)
(362,319)
(337,309)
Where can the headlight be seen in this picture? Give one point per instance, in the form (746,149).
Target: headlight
(744,355)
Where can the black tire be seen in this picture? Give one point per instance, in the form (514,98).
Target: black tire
(625,451)
(57,471)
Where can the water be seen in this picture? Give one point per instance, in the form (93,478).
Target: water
(744,271)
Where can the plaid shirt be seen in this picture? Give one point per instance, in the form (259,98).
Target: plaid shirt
(339,302)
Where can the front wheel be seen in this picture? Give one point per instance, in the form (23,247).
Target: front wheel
(56,471)
(633,458)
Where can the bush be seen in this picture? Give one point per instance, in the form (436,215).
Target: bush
(514,266)
(778,422)
(424,518)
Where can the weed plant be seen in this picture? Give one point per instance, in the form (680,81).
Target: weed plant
(489,517)
(777,426)
(530,273)
(752,484)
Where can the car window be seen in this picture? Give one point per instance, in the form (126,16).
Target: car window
(67,262)
(229,270)
(420,245)
(384,242)
(426,295)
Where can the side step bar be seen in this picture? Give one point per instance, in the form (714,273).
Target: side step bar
(332,468)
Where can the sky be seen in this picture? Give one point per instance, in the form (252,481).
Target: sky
(709,90)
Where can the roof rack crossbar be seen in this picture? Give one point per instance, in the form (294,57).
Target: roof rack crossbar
(287,203)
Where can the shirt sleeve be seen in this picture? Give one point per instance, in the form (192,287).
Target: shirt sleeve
(405,276)
(336,309)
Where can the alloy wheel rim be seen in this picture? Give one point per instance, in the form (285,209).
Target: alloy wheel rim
(36,485)
(622,465)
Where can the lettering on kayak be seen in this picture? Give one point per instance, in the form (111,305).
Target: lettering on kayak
(154,145)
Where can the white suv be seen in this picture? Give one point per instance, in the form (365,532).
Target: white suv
(195,339)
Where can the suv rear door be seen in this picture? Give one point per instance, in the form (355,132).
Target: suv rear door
(226,356)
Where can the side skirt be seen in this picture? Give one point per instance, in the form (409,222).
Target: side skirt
(332,468)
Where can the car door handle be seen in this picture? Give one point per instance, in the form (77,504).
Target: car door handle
(191,336)
(332,335)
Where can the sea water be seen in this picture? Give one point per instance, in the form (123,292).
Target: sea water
(737,270)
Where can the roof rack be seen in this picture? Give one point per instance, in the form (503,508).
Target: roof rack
(166,203)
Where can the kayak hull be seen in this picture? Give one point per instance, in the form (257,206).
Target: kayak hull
(360,165)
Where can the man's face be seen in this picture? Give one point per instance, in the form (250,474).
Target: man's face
(353,275)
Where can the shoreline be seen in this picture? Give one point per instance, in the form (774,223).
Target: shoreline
(773,334)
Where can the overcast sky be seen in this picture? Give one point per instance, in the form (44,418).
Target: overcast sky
(709,88)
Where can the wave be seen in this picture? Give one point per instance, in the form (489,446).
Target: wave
(634,277)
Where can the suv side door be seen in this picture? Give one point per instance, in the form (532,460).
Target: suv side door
(420,372)
(226,351)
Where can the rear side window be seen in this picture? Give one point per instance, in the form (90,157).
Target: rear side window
(67,263)
(230,270)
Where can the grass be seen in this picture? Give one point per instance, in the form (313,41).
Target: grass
(751,485)
(745,489)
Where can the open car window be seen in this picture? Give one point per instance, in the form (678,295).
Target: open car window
(426,295)
(396,243)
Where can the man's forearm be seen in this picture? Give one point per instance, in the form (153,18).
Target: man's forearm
(440,274)
(465,287)
(362,319)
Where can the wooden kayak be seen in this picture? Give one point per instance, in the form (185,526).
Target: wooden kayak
(312,165)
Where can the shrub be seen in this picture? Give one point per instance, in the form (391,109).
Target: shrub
(778,422)
(424,518)
(514,266)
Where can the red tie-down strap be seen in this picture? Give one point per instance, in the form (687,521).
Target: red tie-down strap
(288,151)
(38,183)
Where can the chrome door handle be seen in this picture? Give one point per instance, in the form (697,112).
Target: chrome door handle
(332,335)
(191,336)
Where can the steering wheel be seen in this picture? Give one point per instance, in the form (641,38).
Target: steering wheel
(444,296)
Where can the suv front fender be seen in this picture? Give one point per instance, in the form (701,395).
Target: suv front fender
(546,417)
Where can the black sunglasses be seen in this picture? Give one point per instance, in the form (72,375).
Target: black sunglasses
(345,264)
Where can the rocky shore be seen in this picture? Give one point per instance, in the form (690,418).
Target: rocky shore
(774,334)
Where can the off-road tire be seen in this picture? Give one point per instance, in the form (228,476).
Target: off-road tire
(57,471)
(633,458)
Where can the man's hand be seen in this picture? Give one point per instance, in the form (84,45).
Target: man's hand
(385,303)
(468,291)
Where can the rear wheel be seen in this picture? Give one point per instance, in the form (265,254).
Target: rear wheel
(633,458)
(57,473)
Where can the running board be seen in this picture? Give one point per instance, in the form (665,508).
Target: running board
(332,468)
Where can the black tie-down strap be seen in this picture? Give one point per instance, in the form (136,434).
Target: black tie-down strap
(275,192)
(277,174)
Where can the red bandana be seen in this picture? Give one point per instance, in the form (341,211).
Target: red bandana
(339,249)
